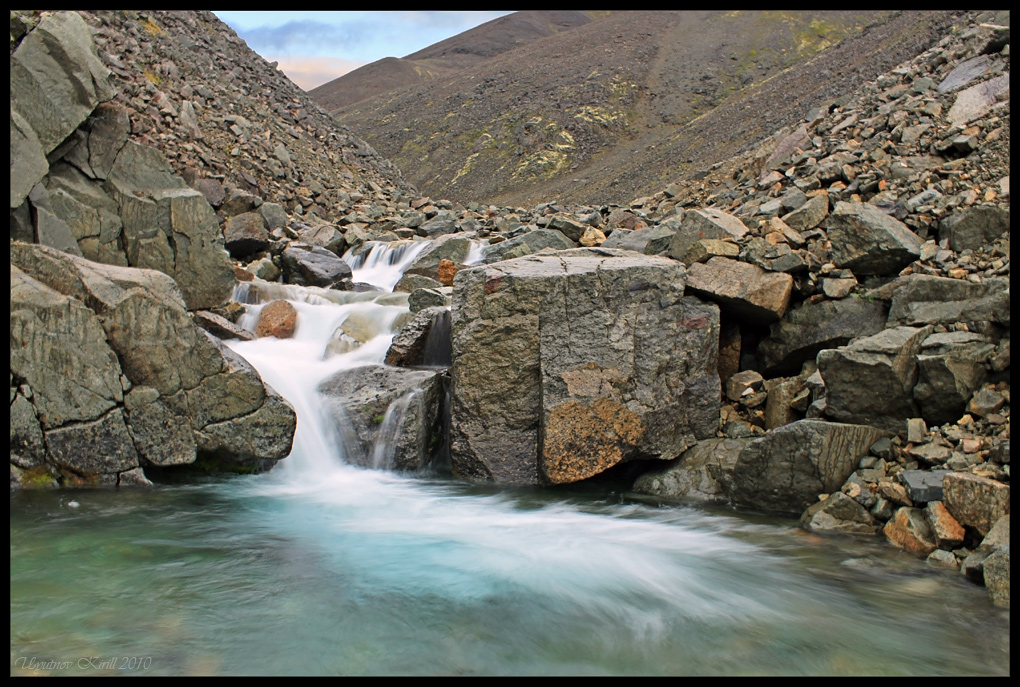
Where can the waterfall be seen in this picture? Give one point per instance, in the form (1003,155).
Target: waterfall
(382,263)
(386,440)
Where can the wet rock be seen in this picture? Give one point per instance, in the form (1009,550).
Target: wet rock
(839,513)
(277,318)
(388,417)
(908,529)
(313,266)
(703,472)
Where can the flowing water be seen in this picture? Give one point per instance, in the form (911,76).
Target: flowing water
(321,568)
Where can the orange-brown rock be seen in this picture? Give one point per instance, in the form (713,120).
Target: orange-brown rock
(447,271)
(909,530)
(279,319)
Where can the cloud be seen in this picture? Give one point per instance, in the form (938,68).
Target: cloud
(303,37)
(309,72)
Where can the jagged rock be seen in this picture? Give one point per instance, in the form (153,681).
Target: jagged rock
(948,533)
(325,236)
(975,501)
(704,472)
(839,513)
(647,240)
(245,234)
(409,283)
(704,223)
(871,380)
(169,227)
(811,327)
(388,416)
(28,159)
(152,342)
(526,244)
(867,241)
(951,367)
(809,215)
(408,347)
(59,348)
(919,299)
(558,370)
(974,227)
(785,470)
(313,266)
(977,100)
(452,247)
(743,289)
(908,529)
(56,78)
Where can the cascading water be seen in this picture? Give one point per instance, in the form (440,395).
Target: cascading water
(319,567)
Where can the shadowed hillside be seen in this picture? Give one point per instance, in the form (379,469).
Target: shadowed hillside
(446,58)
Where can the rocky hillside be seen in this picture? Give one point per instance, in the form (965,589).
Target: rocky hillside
(620,106)
(446,58)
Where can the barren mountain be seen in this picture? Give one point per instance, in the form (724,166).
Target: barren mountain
(446,58)
(624,104)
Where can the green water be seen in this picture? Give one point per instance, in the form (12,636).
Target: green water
(366,573)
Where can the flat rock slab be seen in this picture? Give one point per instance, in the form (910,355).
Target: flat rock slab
(741,288)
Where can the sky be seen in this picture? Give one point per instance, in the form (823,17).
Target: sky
(315,47)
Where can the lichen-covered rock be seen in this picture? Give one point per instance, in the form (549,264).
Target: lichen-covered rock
(908,529)
(569,363)
(82,333)
(975,501)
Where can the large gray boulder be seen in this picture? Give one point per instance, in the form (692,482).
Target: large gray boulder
(704,223)
(526,244)
(868,241)
(170,227)
(951,367)
(569,363)
(920,299)
(785,470)
(119,376)
(974,227)
(812,327)
(871,380)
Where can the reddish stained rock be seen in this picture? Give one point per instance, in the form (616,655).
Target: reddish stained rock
(975,501)
(948,532)
(909,530)
(447,271)
(278,319)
